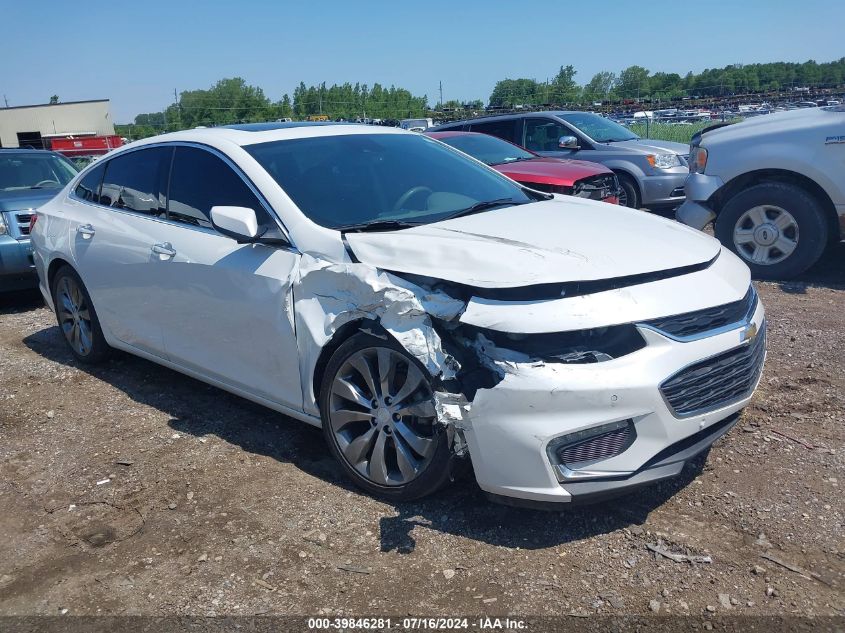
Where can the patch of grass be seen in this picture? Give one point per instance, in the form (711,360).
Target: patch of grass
(671,131)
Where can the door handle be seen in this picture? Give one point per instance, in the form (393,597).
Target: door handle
(165,249)
(86,231)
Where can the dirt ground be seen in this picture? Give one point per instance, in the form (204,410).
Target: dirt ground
(131,489)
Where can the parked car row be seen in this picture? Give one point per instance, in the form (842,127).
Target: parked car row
(420,306)
(651,173)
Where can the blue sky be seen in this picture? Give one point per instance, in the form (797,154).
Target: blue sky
(137,53)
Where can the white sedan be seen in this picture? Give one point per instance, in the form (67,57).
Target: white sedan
(420,307)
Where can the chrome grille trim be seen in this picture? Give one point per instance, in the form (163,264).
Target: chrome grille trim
(691,326)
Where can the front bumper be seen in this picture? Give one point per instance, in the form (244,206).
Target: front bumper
(665,189)
(696,210)
(511,425)
(17,270)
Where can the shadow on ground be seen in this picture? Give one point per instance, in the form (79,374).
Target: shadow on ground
(20,301)
(461,509)
(829,272)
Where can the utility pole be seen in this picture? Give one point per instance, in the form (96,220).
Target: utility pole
(176,103)
(441,95)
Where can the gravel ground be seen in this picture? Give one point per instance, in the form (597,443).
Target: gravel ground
(131,489)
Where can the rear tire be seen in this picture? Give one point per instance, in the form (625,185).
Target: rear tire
(77,318)
(778,229)
(379,420)
(629,196)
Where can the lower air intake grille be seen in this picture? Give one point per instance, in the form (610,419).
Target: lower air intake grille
(718,381)
(576,451)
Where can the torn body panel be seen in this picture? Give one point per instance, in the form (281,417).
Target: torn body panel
(328,295)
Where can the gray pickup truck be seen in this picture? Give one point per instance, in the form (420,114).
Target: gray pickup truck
(775,186)
(28,179)
(651,173)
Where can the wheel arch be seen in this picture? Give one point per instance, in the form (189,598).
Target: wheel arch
(341,335)
(54,267)
(782,176)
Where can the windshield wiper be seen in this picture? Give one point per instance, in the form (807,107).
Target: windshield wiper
(484,205)
(376,225)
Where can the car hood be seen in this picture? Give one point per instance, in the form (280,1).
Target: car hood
(653,146)
(22,199)
(777,122)
(561,240)
(550,170)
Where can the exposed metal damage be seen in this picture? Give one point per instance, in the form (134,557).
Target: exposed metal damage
(424,318)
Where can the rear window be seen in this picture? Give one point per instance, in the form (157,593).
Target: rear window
(89,187)
(137,181)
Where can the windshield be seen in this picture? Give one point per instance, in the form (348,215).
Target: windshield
(488,149)
(353,179)
(34,170)
(598,128)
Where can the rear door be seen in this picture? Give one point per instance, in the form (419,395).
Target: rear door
(506,129)
(115,213)
(227,307)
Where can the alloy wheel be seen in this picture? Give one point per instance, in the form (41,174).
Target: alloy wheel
(74,315)
(382,415)
(622,197)
(766,235)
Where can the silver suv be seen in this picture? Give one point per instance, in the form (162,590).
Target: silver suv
(775,186)
(651,173)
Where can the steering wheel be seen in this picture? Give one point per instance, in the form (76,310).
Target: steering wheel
(410,194)
(44,183)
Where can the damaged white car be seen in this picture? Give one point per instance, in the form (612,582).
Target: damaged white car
(421,308)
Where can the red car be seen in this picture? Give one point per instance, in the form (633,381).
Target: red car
(554,175)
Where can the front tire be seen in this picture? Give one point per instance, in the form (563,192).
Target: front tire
(629,195)
(77,318)
(379,420)
(778,229)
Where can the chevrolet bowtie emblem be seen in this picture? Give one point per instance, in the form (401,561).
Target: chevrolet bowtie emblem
(748,333)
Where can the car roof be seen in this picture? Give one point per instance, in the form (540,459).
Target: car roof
(513,115)
(451,133)
(254,133)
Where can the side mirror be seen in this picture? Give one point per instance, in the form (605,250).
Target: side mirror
(567,142)
(238,223)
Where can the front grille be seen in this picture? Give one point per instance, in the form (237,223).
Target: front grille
(22,220)
(718,381)
(692,324)
(597,447)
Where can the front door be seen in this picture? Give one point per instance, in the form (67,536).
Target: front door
(227,306)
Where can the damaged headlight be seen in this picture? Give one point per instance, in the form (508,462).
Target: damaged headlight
(595,345)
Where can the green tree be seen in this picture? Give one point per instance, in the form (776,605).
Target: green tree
(599,87)
(633,83)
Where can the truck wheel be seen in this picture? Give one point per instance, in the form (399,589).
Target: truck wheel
(629,196)
(777,228)
(379,420)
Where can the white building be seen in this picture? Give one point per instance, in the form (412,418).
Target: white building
(30,126)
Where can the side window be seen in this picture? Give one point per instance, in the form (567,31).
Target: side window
(136,181)
(542,135)
(89,187)
(502,129)
(200,180)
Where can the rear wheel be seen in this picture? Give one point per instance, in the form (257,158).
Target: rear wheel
(77,318)
(629,195)
(379,419)
(777,228)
